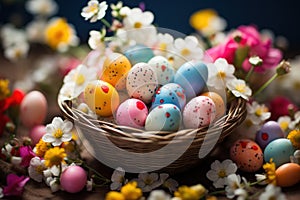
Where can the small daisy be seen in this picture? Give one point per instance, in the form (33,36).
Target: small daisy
(261,179)
(295,122)
(163,44)
(241,194)
(36,168)
(272,192)
(220,171)
(159,195)
(58,131)
(35,30)
(220,73)
(53,183)
(168,183)
(233,184)
(117,179)
(296,157)
(239,88)
(16,52)
(42,7)
(67,91)
(94,11)
(96,40)
(257,113)
(147,182)
(137,19)
(116,9)
(54,156)
(284,122)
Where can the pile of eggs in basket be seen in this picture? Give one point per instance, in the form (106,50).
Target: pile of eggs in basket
(159,98)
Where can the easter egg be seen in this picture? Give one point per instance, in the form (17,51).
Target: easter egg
(132,112)
(73,179)
(101,97)
(247,155)
(138,53)
(165,117)
(33,109)
(219,103)
(115,69)
(192,77)
(270,131)
(164,71)
(141,82)
(279,150)
(169,93)
(199,111)
(36,133)
(288,175)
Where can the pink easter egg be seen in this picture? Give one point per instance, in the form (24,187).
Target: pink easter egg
(36,133)
(33,109)
(73,179)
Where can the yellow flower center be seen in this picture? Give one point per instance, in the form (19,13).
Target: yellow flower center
(137,25)
(93,8)
(80,79)
(4,90)
(222,173)
(148,181)
(39,169)
(284,125)
(258,112)
(241,88)
(185,52)
(201,20)
(58,133)
(222,75)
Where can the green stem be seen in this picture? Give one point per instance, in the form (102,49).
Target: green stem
(100,176)
(105,22)
(265,84)
(249,73)
(216,192)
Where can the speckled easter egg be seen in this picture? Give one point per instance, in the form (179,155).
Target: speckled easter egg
(115,69)
(199,111)
(165,117)
(141,82)
(164,71)
(219,103)
(288,175)
(33,109)
(269,131)
(279,150)
(247,155)
(101,97)
(73,179)
(169,93)
(138,53)
(132,112)
(192,77)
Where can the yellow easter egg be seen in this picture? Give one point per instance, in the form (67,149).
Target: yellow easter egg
(115,69)
(288,175)
(219,102)
(101,97)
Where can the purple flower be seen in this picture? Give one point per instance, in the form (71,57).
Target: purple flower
(15,185)
(27,154)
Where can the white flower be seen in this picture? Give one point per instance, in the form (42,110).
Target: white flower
(284,122)
(296,121)
(220,171)
(255,61)
(296,157)
(81,76)
(42,7)
(6,150)
(89,185)
(233,184)
(36,168)
(272,192)
(58,131)
(147,182)
(159,195)
(124,11)
(137,19)
(35,30)
(94,11)
(53,183)
(12,36)
(257,113)
(163,44)
(241,194)
(220,73)
(118,179)
(17,51)
(96,40)
(261,178)
(1,193)
(16,160)
(85,108)
(67,91)
(168,183)
(239,88)
(116,8)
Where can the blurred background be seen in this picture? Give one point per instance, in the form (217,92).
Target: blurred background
(279,16)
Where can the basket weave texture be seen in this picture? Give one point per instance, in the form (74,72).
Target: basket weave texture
(93,131)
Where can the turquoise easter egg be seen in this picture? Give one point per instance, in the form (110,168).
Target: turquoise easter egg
(138,53)
(279,150)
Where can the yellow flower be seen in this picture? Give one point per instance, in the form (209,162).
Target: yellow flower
(294,137)
(41,148)
(190,193)
(4,90)
(131,192)
(59,34)
(270,168)
(201,20)
(113,195)
(54,156)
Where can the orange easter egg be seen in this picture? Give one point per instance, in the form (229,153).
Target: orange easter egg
(288,174)
(219,103)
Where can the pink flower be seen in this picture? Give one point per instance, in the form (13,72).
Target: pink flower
(15,185)
(280,106)
(253,45)
(27,154)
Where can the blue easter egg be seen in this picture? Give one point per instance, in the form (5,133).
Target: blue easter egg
(268,132)
(138,53)
(192,77)
(171,93)
(279,150)
(165,117)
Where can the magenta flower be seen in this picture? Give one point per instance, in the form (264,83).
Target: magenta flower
(15,185)
(27,154)
(250,44)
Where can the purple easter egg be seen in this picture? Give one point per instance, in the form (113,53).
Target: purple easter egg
(269,131)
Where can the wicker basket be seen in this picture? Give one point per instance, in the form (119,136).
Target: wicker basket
(94,134)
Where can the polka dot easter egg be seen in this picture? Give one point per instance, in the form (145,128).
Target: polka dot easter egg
(219,103)
(164,71)
(169,93)
(247,155)
(138,53)
(115,69)
(269,131)
(166,117)
(141,82)
(132,112)
(101,97)
(199,111)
